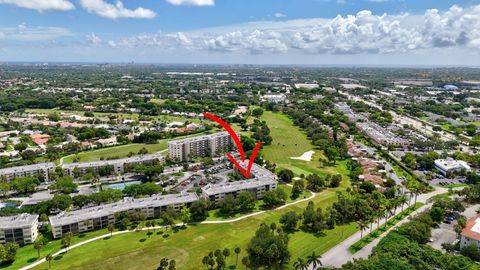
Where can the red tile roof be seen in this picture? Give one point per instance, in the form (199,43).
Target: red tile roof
(475,233)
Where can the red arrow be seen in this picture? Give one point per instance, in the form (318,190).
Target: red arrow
(235,138)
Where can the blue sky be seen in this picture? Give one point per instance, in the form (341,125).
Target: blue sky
(377,32)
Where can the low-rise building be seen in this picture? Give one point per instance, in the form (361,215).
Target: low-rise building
(98,217)
(42,170)
(115,166)
(262,180)
(471,233)
(445,166)
(21,229)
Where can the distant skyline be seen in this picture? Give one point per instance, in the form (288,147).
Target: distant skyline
(300,32)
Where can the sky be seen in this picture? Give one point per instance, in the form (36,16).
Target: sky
(301,32)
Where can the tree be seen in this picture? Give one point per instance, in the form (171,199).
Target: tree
(237,251)
(226,253)
(289,221)
(228,205)
(268,248)
(111,228)
(314,260)
(315,182)
(361,226)
(274,197)
(65,185)
(257,112)
(286,175)
(297,189)
(184,214)
(300,264)
(25,184)
(21,146)
(10,252)
(163,264)
(246,201)
(172,265)
(66,240)
(49,259)
(472,252)
(199,210)
(335,180)
(38,244)
(332,154)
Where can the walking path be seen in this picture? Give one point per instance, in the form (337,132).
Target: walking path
(340,254)
(161,227)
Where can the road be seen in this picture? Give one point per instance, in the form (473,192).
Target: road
(340,254)
(161,227)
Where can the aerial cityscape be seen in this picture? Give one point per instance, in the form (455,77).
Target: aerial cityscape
(223,134)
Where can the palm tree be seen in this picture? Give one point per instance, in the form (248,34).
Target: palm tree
(314,260)
(300,264)
(38,244)
(49,259)
(237,251)
(110,229)
(361,226)
(402,200)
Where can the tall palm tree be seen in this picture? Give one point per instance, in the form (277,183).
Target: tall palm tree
(237,251)
(314,260)
(49,259)
(361,226)
(402,200)
(300,264)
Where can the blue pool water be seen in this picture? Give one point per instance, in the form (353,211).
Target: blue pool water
(120,186)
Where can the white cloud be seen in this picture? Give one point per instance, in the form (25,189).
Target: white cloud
(192,2)
(23,32)
(93,39)
(279,15)
(41,5)
(362,33)
(117,11)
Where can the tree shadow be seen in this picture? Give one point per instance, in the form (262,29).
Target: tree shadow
(166,235)
(142,240)
(82,235)
(160,232)
(58,257)
(107,238)
(31,260)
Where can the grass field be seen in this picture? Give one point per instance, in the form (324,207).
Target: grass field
(289,141)
(137,251)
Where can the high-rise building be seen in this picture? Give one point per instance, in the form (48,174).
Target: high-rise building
(201,146)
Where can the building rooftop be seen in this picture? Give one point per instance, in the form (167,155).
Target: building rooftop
(100,163)
(27,168)
(450,164)
(472,229)
(126,204)
(18,221)
(199,138)
(261,177)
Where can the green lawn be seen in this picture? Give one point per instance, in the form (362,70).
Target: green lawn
(27,254)
(137,251)
(289,141)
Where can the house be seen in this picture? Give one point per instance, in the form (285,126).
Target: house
(40,139)
(107,142)
(471,233)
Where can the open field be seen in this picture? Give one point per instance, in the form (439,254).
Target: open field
(289,141)
(137,251)
(134,116)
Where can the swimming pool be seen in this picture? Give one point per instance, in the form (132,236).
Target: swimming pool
(120,186)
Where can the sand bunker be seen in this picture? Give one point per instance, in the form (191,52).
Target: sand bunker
(307,156)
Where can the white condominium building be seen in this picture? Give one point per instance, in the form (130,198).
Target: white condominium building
(201,146)
(21,229)
(117,165)
(41,169)
(98,217)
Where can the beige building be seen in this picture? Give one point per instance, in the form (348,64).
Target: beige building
(21,229)
(41,169)
(201,146)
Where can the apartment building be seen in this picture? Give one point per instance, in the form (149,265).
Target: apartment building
(115,166)
(42,170)
(262,180)
(98,217)
(21,229)
(201,146)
